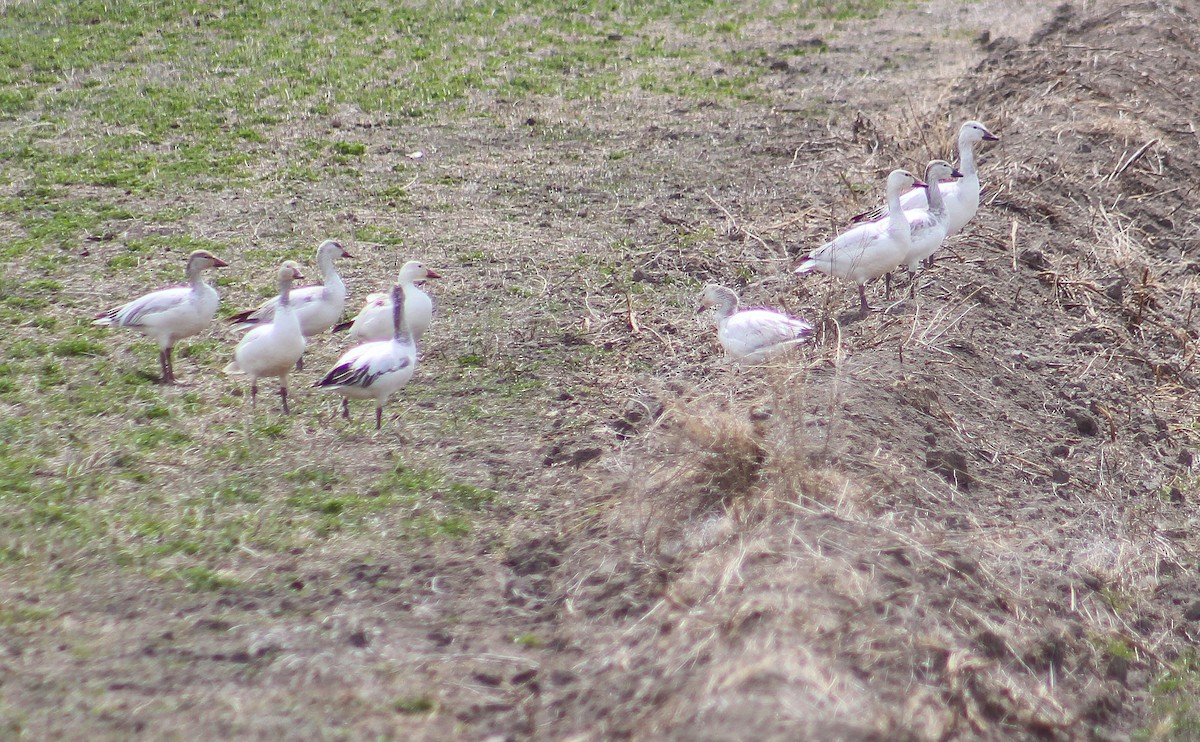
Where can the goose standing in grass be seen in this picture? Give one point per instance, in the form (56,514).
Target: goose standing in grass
(273,349)
(961,196)
(374,321)
(171,314)
(868,250)
(316,307)
(376,370)
(930,224)
(751,335)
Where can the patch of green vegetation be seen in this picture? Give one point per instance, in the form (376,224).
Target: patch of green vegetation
(414,705)
(473,257)
(203,579)
(238,489)
(1175,702)
(17,614)
(26,302)
(1118,647)
(432,505)
(349,149)
(322,477)
(271,429)
(51,373)
(152,437)
(395,195)
(520,387)
(43,284)
(379,235)
(78,346)
(1117,600)
(529,641)
(157,412)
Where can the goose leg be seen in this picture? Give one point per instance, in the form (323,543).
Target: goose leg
(379,417)
(283,392)
(887,286)
(345,408)
(164,362)
(864,307)
(300,363)
(254,393)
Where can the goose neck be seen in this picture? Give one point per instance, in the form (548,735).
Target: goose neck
(328,271)
(937,204)
(898,223)
(399,327)
(285,292)
(966,157)
(195,274)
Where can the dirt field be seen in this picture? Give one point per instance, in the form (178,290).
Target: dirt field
(969,517)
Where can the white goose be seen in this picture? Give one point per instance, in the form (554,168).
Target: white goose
(316,307)
(961,196)
(374,320)
(376,370)
(171,314)
(930,224)
(273,349)
(869,250)
(751,335)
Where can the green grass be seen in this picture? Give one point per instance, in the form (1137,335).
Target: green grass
(191,95)
(414,705)
(1175,707)
(131,128)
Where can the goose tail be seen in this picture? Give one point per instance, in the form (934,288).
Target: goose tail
(808,266)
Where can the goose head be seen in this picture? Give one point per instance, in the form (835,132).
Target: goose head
(973,131)
(202,259)
(900,180)
(415,270)
(938,170)
(289,271)
(714,295)
(330,249)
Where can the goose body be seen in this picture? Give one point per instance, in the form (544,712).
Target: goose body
(960,196)
(272,349)
(374,320)
(171,314)
(378,369)
(929,225)
(317,308)
(871,249)
(751,335)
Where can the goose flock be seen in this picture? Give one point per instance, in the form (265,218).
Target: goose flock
(917,218)
(277,331)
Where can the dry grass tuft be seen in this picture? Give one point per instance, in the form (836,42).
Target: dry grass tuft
(723,450)
(728,459)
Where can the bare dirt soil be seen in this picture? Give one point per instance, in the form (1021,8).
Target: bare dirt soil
(971,517)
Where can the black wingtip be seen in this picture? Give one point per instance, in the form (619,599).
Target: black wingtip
(873,215)
(242,318)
